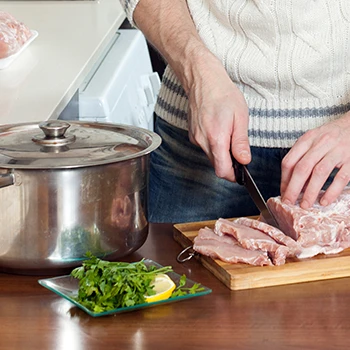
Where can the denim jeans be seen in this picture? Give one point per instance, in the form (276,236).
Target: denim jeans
(183,186)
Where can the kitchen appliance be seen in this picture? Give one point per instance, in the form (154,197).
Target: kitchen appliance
(71,188)
(121,88)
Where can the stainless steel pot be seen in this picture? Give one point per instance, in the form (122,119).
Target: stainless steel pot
(71,188)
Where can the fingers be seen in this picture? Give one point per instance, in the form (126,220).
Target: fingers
(214,138)
(319,176)
(340,181)
(239,142)
(218,122)
(308,165)
(222,161)
(292,165)
(231,138)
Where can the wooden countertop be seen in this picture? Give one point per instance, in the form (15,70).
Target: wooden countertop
(303,316)
(72,35)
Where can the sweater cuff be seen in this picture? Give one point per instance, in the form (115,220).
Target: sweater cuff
(129,8)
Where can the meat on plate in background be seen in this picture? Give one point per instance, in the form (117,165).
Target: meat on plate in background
(13,34)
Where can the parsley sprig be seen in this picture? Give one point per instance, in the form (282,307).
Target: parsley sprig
(105,285)
(181,290)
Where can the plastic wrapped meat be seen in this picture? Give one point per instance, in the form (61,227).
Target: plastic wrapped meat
(13,34)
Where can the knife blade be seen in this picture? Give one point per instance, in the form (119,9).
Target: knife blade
(244,178)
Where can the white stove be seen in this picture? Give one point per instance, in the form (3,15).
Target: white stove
(122,87)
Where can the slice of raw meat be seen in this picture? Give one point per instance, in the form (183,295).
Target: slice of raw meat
(208,233)
(227,249)
(293,246)
(253,239)
(13,34)
(318,229)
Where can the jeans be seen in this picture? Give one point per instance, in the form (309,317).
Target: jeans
(183,186)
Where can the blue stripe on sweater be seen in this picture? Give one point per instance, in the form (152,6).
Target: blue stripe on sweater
(255,112)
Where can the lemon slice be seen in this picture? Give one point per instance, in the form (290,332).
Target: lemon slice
(163,286)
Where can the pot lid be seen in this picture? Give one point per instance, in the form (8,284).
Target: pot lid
(60,144)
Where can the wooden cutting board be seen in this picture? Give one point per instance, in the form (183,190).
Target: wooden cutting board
(243,276)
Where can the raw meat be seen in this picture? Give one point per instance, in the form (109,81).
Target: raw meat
(13,34)
(227,249)
(303,233)
(253,239)
(208,233)
(318,229)
(293,246)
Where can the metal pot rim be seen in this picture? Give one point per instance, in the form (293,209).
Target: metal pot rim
(73,144)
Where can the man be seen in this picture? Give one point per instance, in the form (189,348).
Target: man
(267,81)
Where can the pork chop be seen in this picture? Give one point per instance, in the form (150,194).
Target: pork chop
(227,249)
(293,246)
(253,239)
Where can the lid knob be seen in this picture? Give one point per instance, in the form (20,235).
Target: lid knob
(54,128)
(54,134)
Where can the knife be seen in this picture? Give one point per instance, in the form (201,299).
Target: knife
(244,178)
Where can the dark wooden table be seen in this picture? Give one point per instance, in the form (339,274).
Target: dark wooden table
(303,316)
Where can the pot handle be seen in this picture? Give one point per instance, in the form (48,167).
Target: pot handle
(7,180)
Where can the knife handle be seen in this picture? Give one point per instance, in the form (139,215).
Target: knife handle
(239,171)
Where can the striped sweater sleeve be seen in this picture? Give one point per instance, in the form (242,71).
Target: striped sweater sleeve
(129,7)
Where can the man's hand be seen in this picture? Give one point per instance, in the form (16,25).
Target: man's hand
(218,120)
(311,160)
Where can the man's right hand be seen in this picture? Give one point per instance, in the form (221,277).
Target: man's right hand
(218,120)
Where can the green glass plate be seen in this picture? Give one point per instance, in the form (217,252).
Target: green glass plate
(67,287)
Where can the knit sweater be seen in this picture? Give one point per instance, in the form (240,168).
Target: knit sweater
(290,59)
